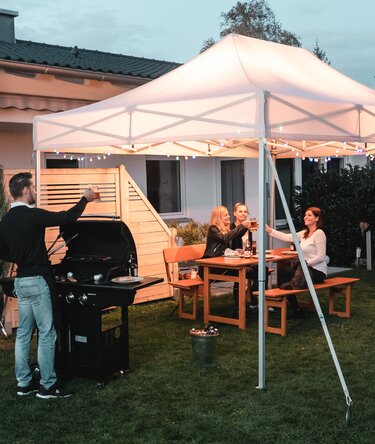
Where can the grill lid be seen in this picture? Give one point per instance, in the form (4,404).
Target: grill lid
(101,241)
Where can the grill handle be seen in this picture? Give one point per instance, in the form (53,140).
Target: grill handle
(100,216)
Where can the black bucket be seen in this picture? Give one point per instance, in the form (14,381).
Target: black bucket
(203,349)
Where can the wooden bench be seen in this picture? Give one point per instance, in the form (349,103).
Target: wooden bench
(277,297)
(185,287)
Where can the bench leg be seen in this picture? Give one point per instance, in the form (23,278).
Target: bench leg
(331,301)
(181,312)
(283,315)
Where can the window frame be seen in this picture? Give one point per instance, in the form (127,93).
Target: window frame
(176,214)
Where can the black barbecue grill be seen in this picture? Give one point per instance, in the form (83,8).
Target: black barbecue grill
(97,252)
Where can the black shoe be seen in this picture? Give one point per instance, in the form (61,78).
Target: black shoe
(52,393)
(28,390)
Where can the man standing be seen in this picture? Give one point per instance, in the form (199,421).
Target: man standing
(22,232)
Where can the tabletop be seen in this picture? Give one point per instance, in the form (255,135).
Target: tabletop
(279,254)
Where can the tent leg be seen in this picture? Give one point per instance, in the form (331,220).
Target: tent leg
(37,177)
(261,268)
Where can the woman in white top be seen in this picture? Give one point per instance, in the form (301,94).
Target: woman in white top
(313,244)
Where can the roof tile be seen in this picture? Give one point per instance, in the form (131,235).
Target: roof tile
(85,59)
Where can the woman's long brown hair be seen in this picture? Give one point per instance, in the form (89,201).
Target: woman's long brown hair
(317,212)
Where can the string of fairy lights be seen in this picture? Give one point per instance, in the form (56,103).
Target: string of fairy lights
(298,152)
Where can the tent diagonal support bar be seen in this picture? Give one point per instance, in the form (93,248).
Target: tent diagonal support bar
(197,117)
(310,284)
(323,118)
(72,129)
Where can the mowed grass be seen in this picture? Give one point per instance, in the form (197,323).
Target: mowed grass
(166,399)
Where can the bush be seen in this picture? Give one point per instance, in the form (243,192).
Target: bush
(346,198)
(192,233)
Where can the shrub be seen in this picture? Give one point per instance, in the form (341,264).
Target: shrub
(192,233)
(346,198)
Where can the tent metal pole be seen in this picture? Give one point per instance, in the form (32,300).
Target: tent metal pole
(272,203)
(311,288)
(37,177)
(261,268)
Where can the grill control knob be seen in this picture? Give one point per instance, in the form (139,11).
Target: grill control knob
(70,298)
(83,299)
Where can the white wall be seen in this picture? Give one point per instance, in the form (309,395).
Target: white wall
(200,185)
(16,148)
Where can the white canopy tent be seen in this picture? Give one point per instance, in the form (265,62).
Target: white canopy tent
(238,91)
(240,98)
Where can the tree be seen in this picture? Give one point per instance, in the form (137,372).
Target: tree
(254,19)
(320,53)
(207,44)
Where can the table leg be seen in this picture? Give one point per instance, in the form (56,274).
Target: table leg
(206,295)
(242,298)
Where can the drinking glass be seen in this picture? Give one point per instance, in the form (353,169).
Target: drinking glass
(253,224)
(95,189)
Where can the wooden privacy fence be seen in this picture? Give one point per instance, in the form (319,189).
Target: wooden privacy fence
(59,189)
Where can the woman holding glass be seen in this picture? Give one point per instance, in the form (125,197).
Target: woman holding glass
(313,243)
(220,237)
(241,212)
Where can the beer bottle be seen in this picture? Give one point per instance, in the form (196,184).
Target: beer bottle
(247,251)
(133,266)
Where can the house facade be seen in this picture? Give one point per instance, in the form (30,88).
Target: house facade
(38,78)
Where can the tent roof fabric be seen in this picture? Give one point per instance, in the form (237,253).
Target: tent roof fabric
(85,59)
(225,99)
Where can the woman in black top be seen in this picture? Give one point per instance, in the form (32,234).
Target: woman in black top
(220,237)
(241,213)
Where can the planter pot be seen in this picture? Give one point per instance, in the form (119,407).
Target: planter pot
(203,349)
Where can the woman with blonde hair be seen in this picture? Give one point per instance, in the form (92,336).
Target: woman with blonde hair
(219,234)
(241,212)
(219,237)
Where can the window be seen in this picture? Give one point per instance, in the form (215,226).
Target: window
(164,185)
(61,163)
(285,172)
(309,167)
(232,182)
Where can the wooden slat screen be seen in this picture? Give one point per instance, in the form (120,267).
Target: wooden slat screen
(119,196)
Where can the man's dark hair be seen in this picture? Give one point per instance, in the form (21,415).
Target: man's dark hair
(18,182)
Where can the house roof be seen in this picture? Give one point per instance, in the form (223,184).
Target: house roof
(85,59)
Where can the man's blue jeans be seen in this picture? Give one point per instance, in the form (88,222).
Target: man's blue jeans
(34,308)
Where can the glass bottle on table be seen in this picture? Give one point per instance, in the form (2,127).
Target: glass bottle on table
(247,251)
(133,266)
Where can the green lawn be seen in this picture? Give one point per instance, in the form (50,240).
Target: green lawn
(166,399)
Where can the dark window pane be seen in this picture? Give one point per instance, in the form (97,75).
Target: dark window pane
(308,168)
(163,185)
(285,171)
(334,164)
(232,183)
(62,163)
